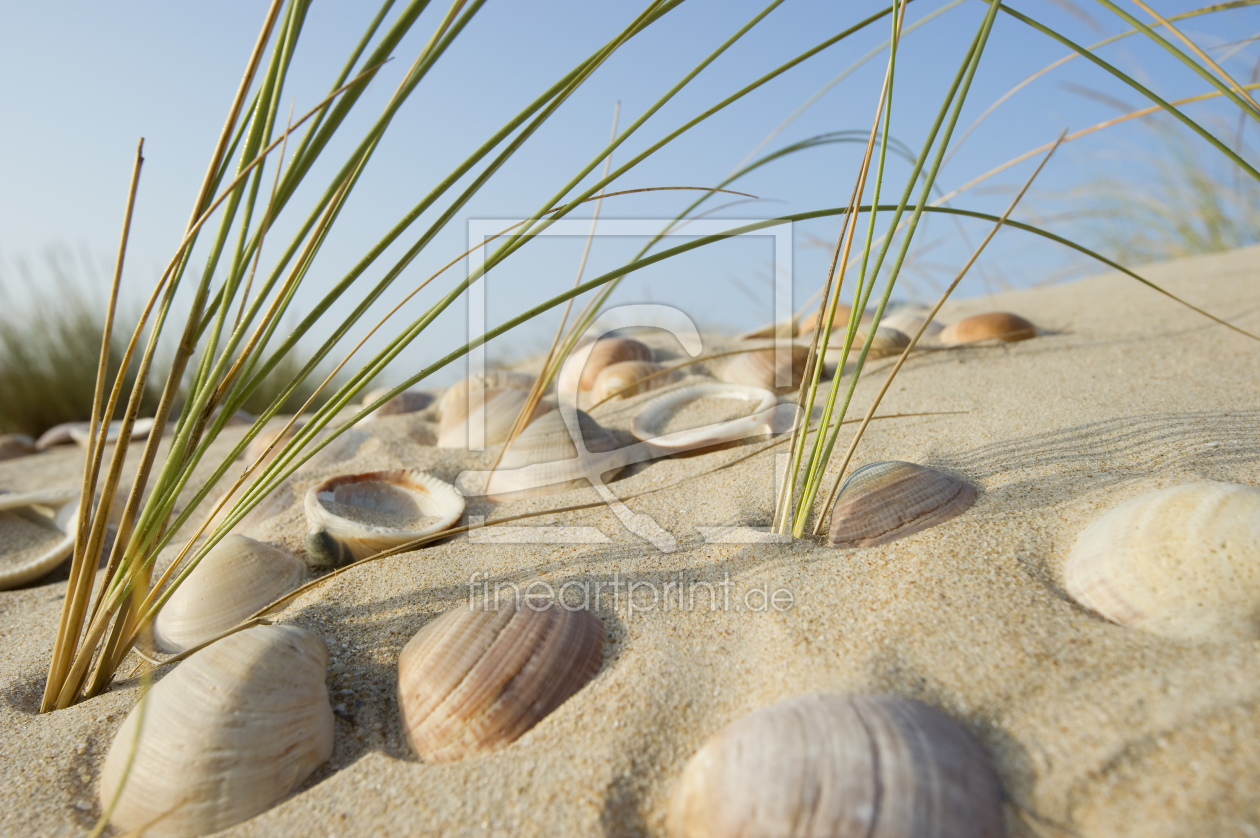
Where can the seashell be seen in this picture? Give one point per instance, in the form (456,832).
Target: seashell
(354,516)
(761,369)
(544,459)
(585,363)
(476,679)
(882,502)
(272,432)
(236,578)
(782,329)
(838,323)
(499,412)
(225,736)
(908,320)
(13,446)
(733,412)
(1182,563)
(500,379)
(77,432)
(996,325)
(616,378)
(37,531)
(829,765)
(408,401)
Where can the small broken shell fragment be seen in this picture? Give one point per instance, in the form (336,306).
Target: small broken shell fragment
(236,578)
(223,737)
(408,401)
(585,363)
(544,459)
(490,379)
(829,765)
(498,409)
(882,502)
(629,378)
(1182,563)
(729,412)
(995,325)
(476,678)
(37,531)
(766,369)
(13,446)
(353,516)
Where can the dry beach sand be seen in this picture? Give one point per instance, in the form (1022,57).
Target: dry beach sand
(1095,729)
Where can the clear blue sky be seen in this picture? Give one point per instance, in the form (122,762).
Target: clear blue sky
(85,80)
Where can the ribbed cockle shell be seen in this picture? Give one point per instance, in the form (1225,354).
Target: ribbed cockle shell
(353,516)
(544,459)
(499,409)
(223,737)
(829,765)
(498,379)
(1182,562)
(764,368)
(629,378)
(995,325)
(883,502)
(477,678)
(231,582)
(585,363)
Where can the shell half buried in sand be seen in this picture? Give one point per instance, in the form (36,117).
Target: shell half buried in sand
(545,460)
(37,531)
(630,378)
(995,325)
(705,414)
(492,410)
(586,362)
(496,379)
(882,502)
(768,368)
(1182,563)
(353,516)
(815,765)
(225,736)
(231,582)
(477,678)
(408,401)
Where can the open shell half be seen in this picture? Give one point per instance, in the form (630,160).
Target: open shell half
(730,412)
(37,532)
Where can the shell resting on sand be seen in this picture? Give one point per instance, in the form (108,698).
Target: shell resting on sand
(829,765)
(37,532)
(544,459)
(651,422)
(764,368)
(353,516)
(225,736)
(1182,562)
(882,502)
(236,578)
(995,325)
(13,446)
(908,321)
(498,379)
(629,378)
(408,401)
(498,409)
(585,363)
(477,678)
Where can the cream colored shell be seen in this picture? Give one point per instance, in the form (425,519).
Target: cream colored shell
(498,379)
(1182,563)
(908,321)
(353,516)
(37,532)
(629,378)
(499,409)
(828,765)
(477,678)
(995,325)
(756,403)
(408,401)
(585,363)
(764,368)
(544,459)
(882,502)
(231,582)
(225,736)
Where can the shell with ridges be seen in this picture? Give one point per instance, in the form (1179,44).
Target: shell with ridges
(353,516)
(477,678)
(499,379)
(37,532)
(630,376)
(225,736)
(649,423)
(499,409)
(882,502)
(236,578)
(1182,562)
(544,460)
(762,368)
(829,765)
(584,364)
(995,325)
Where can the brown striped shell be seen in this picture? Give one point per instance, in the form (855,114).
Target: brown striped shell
(629,378)
(223,737)
(498,408)
(478,677)
(1182,563)
(584,364)
(995,325)
(764,368)
(828,765)
(544,460)
(882,502)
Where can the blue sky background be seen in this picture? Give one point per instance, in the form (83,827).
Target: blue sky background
(86,80)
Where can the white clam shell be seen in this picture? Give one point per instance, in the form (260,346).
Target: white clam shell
(544,459)
(585,363)
(1182,563)
(37,531)
(495,408)
(225,736)
(766,369)
(498,379)
(79,431)
(629,378)
(885,501)
(353,516)
(828,765)
(236,578)
(757,406)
